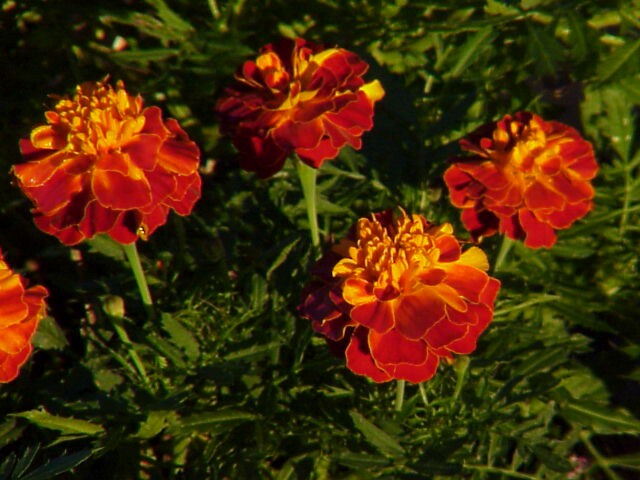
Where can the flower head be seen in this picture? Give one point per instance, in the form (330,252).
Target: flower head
(105,164)
(297,97)
(398,294)
(526,178)
(21,309)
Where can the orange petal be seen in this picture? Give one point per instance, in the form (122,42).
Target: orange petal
(48,138)
(120,192)
(375,315)
(467,281)
(393,348)
(10,364)
(444,332)
(13,309)
(415,373)
(357,291)
(415,314)
(359,358)
(538,234)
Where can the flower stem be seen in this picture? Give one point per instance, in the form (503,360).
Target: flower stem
(133,354)
(599,459)
(507,243)
(399,395)
(308,176)
(131,251)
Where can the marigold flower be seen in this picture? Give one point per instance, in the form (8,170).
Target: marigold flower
(105,164)
(297,97)
(526,178)
(21,309)
(397,295)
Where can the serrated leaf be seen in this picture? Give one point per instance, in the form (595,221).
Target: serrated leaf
(145,56)
(212,422)
(619,123)
(577,35)
(49,335)
(181,336)
(469,53)
(377,437)
(622,59)
(155,422)
(544,49)
(65,425)
(600,418)
(281,258)
(59,465)
(551,460)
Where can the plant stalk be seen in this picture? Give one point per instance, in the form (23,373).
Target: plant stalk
(131,251)
(308,176)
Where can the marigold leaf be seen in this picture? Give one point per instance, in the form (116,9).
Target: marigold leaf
(622,59)
(601,419)
(551,460)
(59,465)
(65,425)
(470,51)
(145,56)
(49,335)
(543,49)
(212,422)
(377,437)
(181,336)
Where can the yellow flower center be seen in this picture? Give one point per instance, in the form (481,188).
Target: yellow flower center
(389,257)
(98,119)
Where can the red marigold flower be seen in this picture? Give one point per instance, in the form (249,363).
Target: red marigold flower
(21,309)
(297,97)
(526,178)
(105,164)
(397,295)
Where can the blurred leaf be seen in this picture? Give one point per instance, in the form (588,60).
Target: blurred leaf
(181,336)
(145,56)
(544,49)
(212,422)
(155,422)
(600,418)
(105,245)
(469,53)
(59,465)
(281,258)
(65,425)
(551,460)
(380,439)
(577,35)
(49,335)
(624,59)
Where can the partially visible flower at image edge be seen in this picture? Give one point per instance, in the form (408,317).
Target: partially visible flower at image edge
(105,164)
(297,97)
(21,310)
(398,295)
(525,178)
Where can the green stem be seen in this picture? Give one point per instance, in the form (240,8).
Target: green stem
(461,368)
(131,251)
(399,395)
(599,459)
(133,354)
(308,176)
(507,243)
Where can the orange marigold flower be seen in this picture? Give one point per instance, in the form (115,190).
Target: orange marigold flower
(21,309)
(105,164)
(526,178)
(398,294)
(297,97)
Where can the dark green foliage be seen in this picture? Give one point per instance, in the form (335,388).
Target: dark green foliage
(227,381)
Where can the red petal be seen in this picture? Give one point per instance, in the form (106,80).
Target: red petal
(538,234)
(375,315)
(359,358)
(393,348)
(120,192)
(415,314)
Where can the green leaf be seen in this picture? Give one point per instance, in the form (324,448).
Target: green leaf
(625,58)
(211,422)
(65,425)
(377,437)
(105,245)
(551,460)
(544,49)
(59,465)
(155,422)
(281,258)
(181,336)
(49,335)
(145,56)
(601,419)
(578,36)
(470,51)
(360,460)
